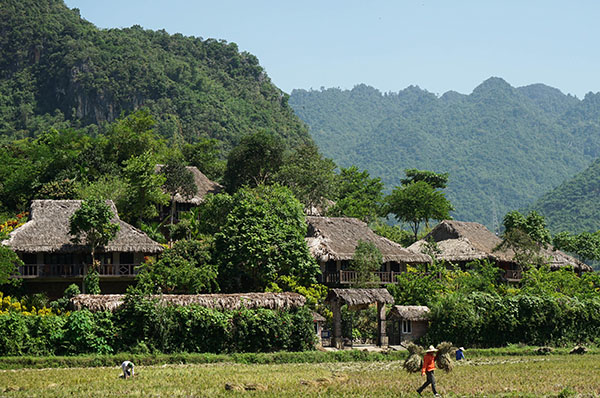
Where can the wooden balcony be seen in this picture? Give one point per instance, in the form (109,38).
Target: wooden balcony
(348,277)
(31,271)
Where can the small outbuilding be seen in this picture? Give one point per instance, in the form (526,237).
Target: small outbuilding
(410,322)
(319,320)
(358,299)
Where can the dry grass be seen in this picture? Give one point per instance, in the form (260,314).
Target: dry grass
(552,376)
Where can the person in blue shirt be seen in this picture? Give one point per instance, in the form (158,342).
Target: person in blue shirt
(460,354)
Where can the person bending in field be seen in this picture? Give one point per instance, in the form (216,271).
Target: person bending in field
(427,369)
(460,354)
(128,371)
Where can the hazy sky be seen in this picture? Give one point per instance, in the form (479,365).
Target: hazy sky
(438,45)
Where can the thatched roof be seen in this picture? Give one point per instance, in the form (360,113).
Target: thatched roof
(48,231)
(410,312)
(274,301)
(358,297)
(318,317)
(460,241)
(203,184)
(336,238)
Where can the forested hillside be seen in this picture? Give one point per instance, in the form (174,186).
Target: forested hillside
(59,70)
(503,146)
(574,206)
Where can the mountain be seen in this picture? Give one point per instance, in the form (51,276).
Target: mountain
(58,70)
(503,146)
(573,206)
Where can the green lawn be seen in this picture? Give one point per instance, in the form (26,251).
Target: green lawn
(497,376)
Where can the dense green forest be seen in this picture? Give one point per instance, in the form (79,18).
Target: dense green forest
(573,205)
(58,70)
(503,147)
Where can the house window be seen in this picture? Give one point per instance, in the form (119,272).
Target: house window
(406,326)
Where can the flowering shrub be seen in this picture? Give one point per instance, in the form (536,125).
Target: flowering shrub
(10,225)
(10,304)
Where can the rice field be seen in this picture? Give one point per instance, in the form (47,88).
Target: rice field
(510,376)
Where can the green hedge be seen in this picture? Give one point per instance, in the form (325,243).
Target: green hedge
(141,326)
(488,320)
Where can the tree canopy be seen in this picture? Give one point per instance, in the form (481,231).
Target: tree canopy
(417,203)
(358,195)
(254,161)
(92,224)
(261,238)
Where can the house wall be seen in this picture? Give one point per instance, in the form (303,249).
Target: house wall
(419,328)
(396,337)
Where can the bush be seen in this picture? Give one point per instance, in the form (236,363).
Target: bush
(488,320)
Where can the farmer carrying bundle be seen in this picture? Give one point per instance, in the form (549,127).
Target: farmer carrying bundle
(427,370)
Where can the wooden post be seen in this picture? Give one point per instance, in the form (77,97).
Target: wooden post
(382,338)
(336,340)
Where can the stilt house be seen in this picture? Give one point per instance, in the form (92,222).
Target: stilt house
(333,240)
(53,261)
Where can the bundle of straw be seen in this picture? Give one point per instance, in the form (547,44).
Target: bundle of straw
(443,359)
(414,362)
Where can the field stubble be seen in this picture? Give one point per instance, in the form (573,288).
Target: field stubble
(550,376)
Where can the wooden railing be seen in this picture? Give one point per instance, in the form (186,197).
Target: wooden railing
(513,275)
(73,270)
(348,277)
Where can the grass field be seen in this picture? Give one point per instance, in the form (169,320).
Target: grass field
(497,376)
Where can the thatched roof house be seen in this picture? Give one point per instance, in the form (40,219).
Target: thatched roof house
(336,238)
(460,242)
(203,184)
(274,301)
(48,231)
(410,312)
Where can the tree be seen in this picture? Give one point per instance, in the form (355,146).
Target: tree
(207,156)
(186,268)
(9,265)
(367,259)
(416,203)
(585,245)
(395,233)
(358,195)
(92,224)
(131,136)
(178,180)
(436,180)
(254,161)
(533,225)
(262,238)
(308,175)
(525,236)
(145,188)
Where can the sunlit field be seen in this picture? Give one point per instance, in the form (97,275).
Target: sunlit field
(514,376)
